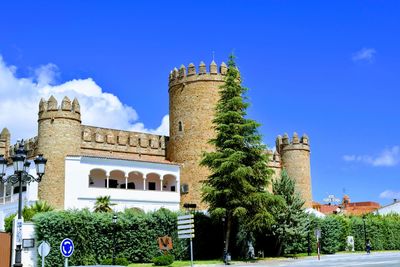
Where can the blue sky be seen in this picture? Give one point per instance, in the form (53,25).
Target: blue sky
(325,68)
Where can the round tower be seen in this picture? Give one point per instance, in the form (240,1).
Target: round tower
(295,157)
(192,100)
(59,135)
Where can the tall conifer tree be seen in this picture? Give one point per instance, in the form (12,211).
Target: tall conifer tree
(235,189)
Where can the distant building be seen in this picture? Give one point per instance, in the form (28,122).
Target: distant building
(392,208)
(346,207)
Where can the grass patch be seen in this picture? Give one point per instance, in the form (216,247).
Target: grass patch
(178,263)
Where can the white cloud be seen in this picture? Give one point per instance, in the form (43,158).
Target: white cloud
(20,98)
(387,158)
(365,54)
(390,194)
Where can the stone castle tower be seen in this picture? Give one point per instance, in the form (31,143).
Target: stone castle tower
(59,135)
(295,159)
(193,95)
(192,100)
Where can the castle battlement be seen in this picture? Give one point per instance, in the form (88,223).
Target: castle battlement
(67,110)
(111,140)
(274,159)
(285,143)
(30,146)
(190,74)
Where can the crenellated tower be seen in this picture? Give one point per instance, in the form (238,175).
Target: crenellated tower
(295,158)
(5,142)
(59,135)
(193,96)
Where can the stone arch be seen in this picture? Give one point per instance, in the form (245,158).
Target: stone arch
(170,183)
(98,178)
(153,182)
(116,179)
(135,180)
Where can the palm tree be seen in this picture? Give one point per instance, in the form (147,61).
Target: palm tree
(103,204)
(37,207)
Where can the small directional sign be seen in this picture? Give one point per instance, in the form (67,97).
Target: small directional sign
(67,247)
(186,226)
(186,230)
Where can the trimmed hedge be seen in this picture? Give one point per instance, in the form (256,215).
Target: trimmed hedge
(136,235)
(92,233)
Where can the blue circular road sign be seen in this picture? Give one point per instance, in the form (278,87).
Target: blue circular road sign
(67,247)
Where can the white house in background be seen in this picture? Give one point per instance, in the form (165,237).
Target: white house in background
(393,208)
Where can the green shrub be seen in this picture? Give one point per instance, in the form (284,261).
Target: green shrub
(118,261)
(163,260)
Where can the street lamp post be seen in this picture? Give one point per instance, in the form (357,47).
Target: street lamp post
(365,233)
(308,237)
(20,176)
(224,237)
(114,220)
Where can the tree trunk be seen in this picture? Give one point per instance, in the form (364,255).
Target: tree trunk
(228,232)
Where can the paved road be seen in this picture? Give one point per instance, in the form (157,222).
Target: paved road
(389,259)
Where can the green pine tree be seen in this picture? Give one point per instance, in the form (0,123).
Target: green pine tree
(235,190)
(290,218)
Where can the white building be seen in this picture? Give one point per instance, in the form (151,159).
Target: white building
(129,183)
(393,208)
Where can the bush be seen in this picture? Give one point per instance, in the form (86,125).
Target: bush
(163,260)
(136,234)
(118,261)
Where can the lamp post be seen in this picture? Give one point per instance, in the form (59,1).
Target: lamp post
(114,220)
(308,237)
(365,233)
(224,237)
(21,167)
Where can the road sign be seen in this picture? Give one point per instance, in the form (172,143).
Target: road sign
(67,247)
(44,249)
(165,242)
(190,221)
(185,226)
(186,230)
(184,217)
(317,233)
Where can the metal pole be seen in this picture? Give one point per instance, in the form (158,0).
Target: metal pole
(309,243)
(113,253)
(66,262)
(308,238)
(191,252)
(19,235)
(365,235)
(42,256)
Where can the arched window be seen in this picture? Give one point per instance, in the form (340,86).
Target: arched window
(169,183)
(135,180)
(116,179)
(180,127)
(97,178)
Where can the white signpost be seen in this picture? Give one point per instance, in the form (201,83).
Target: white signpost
(317,233)
(44,250)
(67,248)
(186,230)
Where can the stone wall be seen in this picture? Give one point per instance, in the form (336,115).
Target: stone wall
(125,144)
